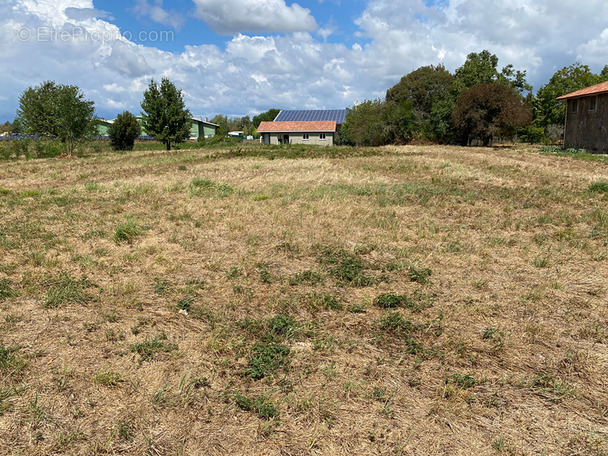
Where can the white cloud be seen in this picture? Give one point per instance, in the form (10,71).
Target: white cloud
(231,17)
(158,14)
(296,70)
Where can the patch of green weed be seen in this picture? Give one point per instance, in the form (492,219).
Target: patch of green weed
(266,359)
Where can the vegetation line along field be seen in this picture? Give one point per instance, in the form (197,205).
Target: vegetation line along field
(258,300)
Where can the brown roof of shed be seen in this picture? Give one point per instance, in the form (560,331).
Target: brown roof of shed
(593,90)
(300,127)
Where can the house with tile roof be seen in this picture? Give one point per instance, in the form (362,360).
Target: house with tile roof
(318,133)
(587,118)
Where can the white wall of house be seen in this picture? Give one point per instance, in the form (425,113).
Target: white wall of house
(313,139)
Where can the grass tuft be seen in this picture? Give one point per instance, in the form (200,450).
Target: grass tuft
(9,362)
(127,232)
(6,289)
(598,187)
(151,346)
(66,290)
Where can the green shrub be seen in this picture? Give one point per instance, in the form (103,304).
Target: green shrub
(124,131)
(532,134)
(219,141)
(48,149)
(5,152)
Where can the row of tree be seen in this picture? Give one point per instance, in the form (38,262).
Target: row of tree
(477,103)
(61,112)
(245,124)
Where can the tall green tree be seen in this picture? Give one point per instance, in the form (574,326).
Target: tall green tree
(488,110)
(164,113)
(482,68)
(429,90)
(57,111)
(547,109)
(124,131)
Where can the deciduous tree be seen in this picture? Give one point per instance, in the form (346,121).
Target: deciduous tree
(164,113)
(57,111)
(547,110)
(429,91)
(488,110)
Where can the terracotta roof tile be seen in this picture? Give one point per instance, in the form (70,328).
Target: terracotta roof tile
(303,127)
(593,90)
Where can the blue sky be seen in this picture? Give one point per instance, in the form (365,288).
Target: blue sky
(331,14)
(242,57)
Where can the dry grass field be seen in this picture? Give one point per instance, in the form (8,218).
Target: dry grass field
(397,301)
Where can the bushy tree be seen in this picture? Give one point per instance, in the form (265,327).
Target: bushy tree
(57,111)
(547,109)
(488,110)
(267,116)
(374,123)
(124,131)
(222,121)
(429,90)
(164,113)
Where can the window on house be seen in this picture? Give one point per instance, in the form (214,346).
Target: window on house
(592,103)
(305,137)
(322,136)
(574,106)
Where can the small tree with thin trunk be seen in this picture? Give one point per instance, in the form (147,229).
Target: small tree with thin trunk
(124,131)
(164,113)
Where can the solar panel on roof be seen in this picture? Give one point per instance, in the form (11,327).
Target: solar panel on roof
(335,115)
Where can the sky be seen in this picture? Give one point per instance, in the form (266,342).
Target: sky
(243,57)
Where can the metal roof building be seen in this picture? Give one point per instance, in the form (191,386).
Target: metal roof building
(331,115)
(587,118)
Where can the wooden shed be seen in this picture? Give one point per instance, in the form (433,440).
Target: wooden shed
(587,118)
